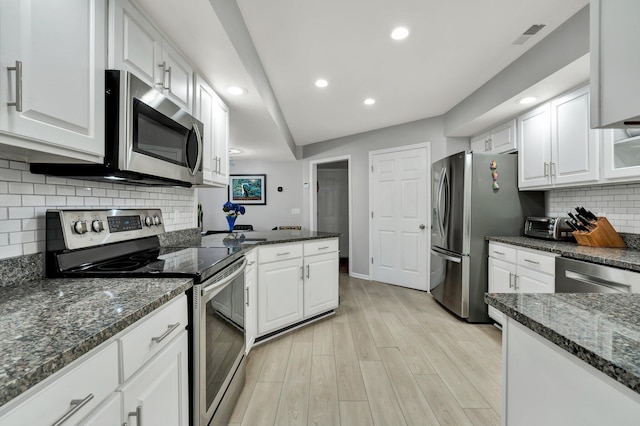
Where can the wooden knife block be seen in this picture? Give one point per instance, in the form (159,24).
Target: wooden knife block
(603,235)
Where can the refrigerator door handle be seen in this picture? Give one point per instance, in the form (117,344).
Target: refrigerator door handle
(439,204)
(445,256)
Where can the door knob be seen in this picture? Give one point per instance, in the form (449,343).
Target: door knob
(422,226)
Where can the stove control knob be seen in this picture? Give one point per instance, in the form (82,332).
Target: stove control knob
(80,227)
(97,225)
(148,221)
(156,220)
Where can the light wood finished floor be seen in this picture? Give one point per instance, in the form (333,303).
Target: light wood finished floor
(390,356)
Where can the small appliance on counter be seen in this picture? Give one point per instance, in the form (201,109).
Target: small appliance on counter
(548,228)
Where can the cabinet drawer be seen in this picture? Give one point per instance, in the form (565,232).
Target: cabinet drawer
(94,374)
(151,334)
(279,252)
(321,246)
(537,261)
(502,252)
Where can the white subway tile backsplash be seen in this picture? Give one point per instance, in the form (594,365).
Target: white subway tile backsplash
(25,198)
(619,203)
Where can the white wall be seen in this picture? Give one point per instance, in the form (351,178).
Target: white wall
(277,211)
(25,197)
(359,146)
(619,203)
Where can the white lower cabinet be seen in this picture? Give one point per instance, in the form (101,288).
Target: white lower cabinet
(295,282)
(519,270)
(140,373)
(251,301)
(158,393)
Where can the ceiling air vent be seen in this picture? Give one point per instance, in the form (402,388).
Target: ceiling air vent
(530,32)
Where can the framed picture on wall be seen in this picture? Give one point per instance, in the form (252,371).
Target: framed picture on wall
(248,189)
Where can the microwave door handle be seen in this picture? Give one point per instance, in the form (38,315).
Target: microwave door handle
(199,157)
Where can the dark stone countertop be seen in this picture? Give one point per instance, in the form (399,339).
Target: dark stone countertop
(603,330)
(620,258)
(46,324)
(249,239)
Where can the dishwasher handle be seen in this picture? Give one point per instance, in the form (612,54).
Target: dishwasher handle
(597,281)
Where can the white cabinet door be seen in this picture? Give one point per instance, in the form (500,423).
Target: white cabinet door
(501,276)
(480,143)
(134,44)
(620,158)
(321,283)
(214,114)
(614,72)
(504,138)
(530,281)
(108,413)
(574,144)
(60,49)
(251,303)
(178,78)
(280,294)
(158,393)
(534,148)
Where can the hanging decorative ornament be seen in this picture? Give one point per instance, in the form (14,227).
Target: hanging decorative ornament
(493,166)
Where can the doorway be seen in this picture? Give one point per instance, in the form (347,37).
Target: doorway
(331,202)
(399,199)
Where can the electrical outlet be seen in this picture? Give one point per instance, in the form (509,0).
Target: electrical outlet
(295,211)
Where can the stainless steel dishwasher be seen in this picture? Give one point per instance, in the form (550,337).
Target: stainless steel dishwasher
(576,276)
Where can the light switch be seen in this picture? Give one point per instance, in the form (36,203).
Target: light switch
(295,211)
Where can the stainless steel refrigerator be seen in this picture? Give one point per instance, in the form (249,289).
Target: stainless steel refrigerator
(467,207)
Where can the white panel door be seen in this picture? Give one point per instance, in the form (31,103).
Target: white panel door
(280,294)
(321,283)
(534,148)
(60,48)
(178,77)
(399,224)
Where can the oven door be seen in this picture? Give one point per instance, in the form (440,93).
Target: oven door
(161,137)
(218,341)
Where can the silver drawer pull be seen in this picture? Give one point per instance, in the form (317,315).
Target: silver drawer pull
(18,101)
(499,252)
(532,261)
(323,248)
(170,328)
(137,414)
(76,404)
(251,263)
(283,254)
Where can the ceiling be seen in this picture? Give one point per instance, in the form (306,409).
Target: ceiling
(453,48)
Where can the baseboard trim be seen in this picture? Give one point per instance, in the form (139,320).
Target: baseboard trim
(361,276)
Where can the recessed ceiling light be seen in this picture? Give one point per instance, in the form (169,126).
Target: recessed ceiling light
(322,83)
(235,151)
(400,33)
(235,90)
(369,101)
(528,100)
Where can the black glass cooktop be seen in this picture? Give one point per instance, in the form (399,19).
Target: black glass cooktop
(197,263)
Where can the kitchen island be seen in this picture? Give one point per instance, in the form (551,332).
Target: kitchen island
(570,359)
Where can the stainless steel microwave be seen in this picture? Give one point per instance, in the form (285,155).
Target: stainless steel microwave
(149,140)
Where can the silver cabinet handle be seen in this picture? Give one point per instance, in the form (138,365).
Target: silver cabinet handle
(499,252)
(219,165)
(18,101)
(283,254)
(546,169)
(76,404)
(302,272)
(323,248)
(137,414)
(532,261)
(553,169)
(510,275)
(515,282)
(246,290)
(168,87)
(164,72)
(164,335)
(308,267)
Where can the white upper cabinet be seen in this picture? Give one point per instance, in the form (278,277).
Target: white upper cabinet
(214,114)
(556,145)
(52,62)
(498,140)
(135,45)
(575,147)
(615,64)
(621,155)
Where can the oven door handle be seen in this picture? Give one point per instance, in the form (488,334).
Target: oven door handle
(226,280)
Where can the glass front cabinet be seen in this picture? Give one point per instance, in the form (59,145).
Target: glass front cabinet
(621,154)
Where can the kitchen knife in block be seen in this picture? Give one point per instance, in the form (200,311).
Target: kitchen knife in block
(602,235)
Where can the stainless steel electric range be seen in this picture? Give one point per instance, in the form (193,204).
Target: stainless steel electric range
(125,243)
